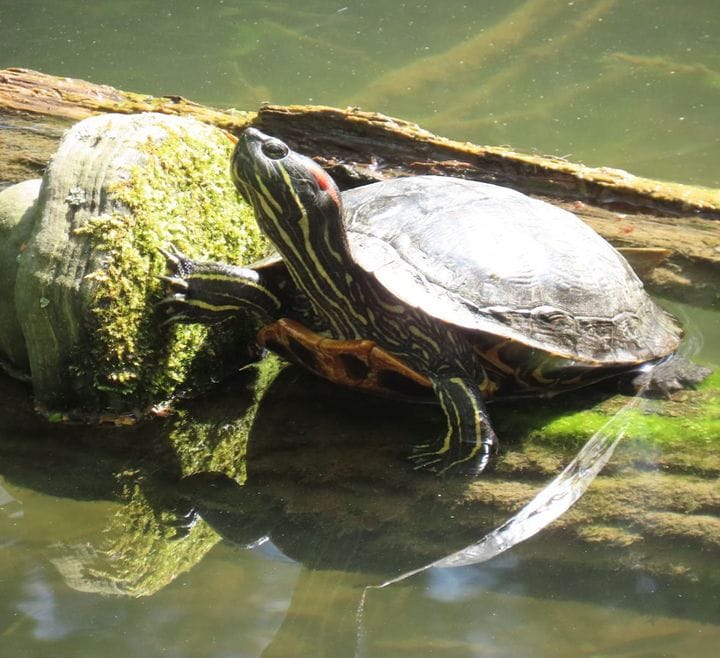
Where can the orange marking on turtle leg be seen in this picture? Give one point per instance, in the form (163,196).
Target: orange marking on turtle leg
(381,360)
(354,363)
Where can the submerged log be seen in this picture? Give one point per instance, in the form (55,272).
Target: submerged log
(360,147)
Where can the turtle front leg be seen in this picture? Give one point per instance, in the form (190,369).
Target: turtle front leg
(207,291)
(469,442)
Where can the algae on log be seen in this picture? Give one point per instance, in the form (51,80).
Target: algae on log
(359,147)
(86,286)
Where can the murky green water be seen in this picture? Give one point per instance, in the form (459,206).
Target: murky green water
(95,556)
(634,85)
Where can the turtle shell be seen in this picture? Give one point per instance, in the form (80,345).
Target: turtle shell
(496,262)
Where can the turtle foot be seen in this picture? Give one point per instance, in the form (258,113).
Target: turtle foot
(177,304)
(443,463)
(469,442)
(183,523)
(663,379)
(207,291)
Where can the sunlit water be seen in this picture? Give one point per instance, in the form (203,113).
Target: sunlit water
(631,85)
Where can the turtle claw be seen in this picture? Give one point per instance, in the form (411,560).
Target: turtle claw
(174,282)
(443,463)
(178,304)
(177,263)
(169,253)
(175,303)
(183,523)
(207,292)
(175,308)
(178,267)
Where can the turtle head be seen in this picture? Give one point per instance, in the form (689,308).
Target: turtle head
(295,201)
(298,207)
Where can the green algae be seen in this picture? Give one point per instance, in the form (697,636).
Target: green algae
(140,553)
(219,442)
(690,417)
(181,195)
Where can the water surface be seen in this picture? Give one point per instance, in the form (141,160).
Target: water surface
(634,85)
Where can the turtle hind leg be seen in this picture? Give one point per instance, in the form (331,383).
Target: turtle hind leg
(673,374)
(469,443)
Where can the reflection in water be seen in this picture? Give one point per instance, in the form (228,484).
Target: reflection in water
(330,492)
(327,481)
(5,497)
(549,504)
(40,605)
(630,571)
(322,474)
(142,550)
(544,508)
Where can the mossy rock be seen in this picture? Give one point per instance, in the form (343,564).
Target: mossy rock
(86,282)
(18,209)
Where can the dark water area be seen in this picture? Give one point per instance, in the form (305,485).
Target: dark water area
(251,526)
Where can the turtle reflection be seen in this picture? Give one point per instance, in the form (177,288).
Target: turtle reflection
(328,484)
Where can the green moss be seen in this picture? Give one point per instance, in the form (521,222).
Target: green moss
(606,534)
(690,419)
(181,195)
(141,552)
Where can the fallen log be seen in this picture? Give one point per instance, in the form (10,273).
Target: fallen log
(360,147)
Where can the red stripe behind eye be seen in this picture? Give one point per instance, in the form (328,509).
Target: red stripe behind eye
(326,184)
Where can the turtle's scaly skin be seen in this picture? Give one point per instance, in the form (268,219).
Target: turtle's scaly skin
(208,291)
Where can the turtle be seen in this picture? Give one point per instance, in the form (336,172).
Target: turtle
(455,290)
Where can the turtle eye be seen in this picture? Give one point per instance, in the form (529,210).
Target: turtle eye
(274,149)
